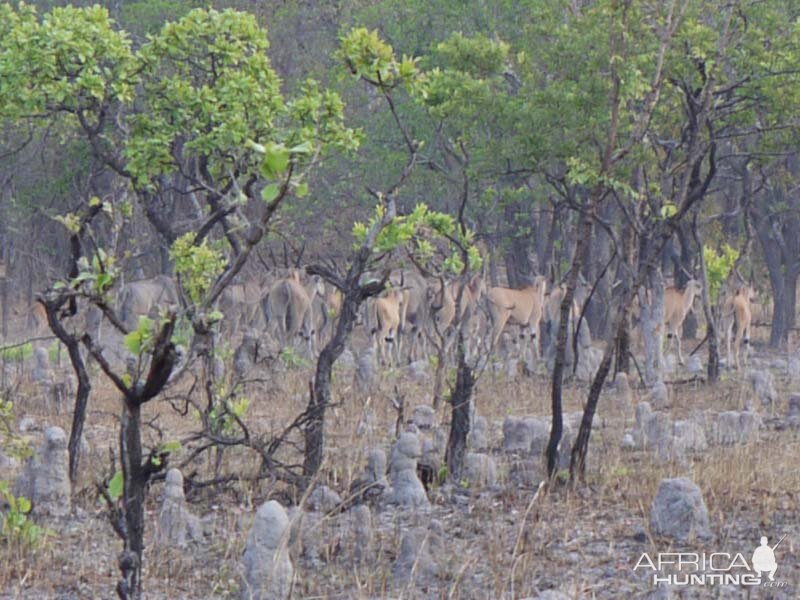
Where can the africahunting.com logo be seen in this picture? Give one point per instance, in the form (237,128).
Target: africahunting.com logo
(715,568)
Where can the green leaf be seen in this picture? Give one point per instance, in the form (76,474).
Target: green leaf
(302,190)
(305,148)
(270,192)
(115,486)
(276,159)
(23,505)
(172,446)
(256,147)
(133,342)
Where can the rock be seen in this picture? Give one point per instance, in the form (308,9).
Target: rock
(45,478)
(376,465)
(176,524)
(310,532)
(430,462)
(623,390)
(526,472)
(683,438)
(359,519)
(679,512)
(530,435)
(480,470)
(416,561)
(658,396)
(763,384)
(793,368)
(695,365)
(478,437)
(793,405)
(407,489)
(519,434)
(779,364)
(584,335)
(627,442)
(733,427)
(749,423)
(8,466)
(511,367)
(246,354)
(41,372)
(323,499)
(589,360)
(670,441)
(27,424)
(365,369)
(424,417)
(346,360)
(418,370)
(372,484)
(689,436)
(268,570)
(651,429)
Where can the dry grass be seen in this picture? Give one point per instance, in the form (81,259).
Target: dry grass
(500,543)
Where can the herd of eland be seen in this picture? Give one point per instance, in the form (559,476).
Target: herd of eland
(416,312)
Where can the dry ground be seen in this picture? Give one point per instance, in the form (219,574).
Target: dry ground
(499,544)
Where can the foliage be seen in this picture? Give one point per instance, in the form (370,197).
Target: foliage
(370,58)
(141,339)
(11,442)
(100,273)
(289,357)
(718,266)
(198,265)
(16,528)
(224,414)
(420,227)
(18,353)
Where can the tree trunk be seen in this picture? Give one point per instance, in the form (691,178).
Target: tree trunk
(651,305)
(461,402)
(711,316)
(779,332)
(84,384)
(581,250)
(683,272)
(130,561)
(621,293)
(320,395)
(518,266)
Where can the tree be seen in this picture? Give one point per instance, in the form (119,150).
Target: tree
(373,61)
(179,108)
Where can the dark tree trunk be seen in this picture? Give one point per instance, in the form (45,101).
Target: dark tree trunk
(546,238)
(461,403)
(518,266)
(783,266)
(4,300)
(135,482)
(598,311)
(84,384)
(320,394)
(622,286)
(683,269)
(581,250)
(708,309)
